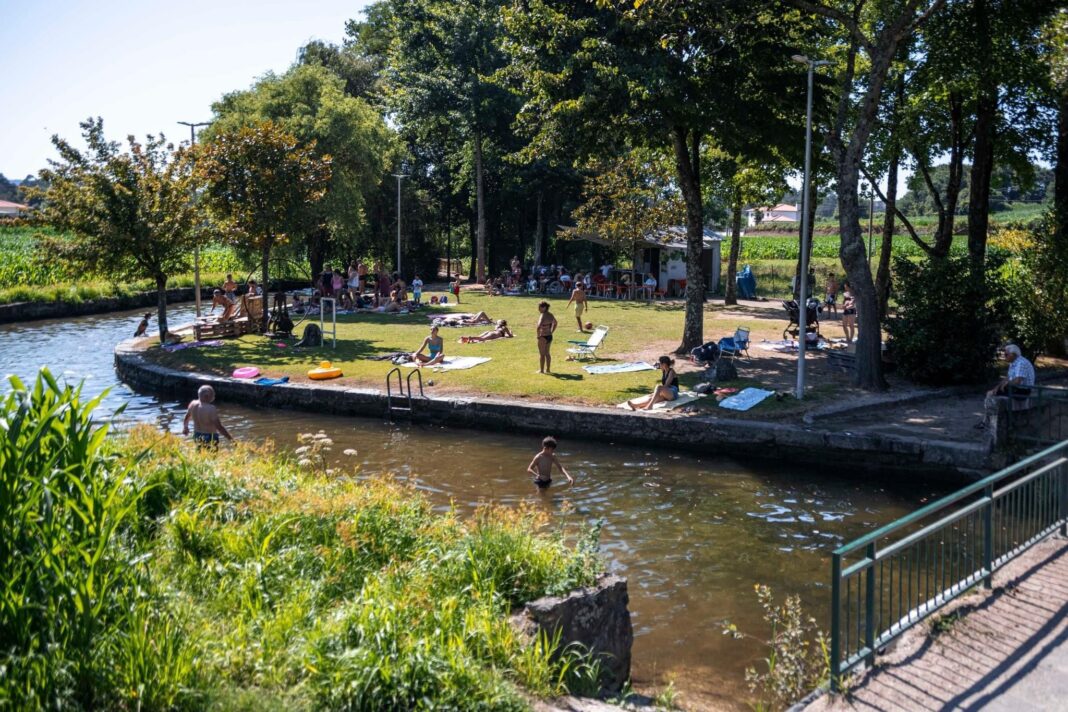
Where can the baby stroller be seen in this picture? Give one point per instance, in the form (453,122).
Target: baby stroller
(812,319)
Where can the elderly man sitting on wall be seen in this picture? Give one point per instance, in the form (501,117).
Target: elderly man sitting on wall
(1018,380)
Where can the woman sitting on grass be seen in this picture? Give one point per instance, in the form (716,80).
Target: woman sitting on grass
(668,390)
(500,332)
(435,348)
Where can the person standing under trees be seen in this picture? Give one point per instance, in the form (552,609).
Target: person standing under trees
(545,327)
(830,299)
(578,298)
(849,312)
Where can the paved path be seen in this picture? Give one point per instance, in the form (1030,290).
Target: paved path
(1008,650)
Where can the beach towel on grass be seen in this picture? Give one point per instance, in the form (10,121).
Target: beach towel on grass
(271,381)
(782,345)
(685,398)
(450,315)
(746,399)
(455,363)
(192,345)
(619,367)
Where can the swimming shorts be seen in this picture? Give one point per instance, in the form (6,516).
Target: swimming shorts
(543,484)
(579,308)
(206,438)
(847,312)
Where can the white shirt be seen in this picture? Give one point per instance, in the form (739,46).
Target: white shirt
(417,285)
(605,269)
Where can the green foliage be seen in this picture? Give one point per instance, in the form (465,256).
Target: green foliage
(144,578)
(949,321)
(798,658)
(310,102)
(75,628)
(1038,285)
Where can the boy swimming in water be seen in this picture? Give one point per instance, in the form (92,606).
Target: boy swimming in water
(542,464)
(205,416)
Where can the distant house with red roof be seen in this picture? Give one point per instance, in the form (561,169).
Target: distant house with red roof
(12,210)
(783,212)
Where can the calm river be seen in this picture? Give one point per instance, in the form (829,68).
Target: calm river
(692,534)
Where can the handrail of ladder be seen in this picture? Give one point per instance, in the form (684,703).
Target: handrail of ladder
(414,372)
(389,391)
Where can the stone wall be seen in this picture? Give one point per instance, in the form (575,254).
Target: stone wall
(31,311)
(751,439)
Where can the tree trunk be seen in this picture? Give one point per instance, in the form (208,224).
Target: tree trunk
(736,247)
(539,230)
(480,208)
(1060,170)
(161,306)
(983,153)
(316,253)
(869,361)
(882,278)
(265,258)
(687,163)
(812,193)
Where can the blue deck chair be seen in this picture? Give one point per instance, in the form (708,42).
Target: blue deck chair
(731,346)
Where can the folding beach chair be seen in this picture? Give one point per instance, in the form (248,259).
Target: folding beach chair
(731,346)
(588,349)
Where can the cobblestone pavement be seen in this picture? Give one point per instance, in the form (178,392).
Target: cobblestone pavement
(1007,650)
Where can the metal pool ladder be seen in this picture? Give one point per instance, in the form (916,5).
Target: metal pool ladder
(402,391)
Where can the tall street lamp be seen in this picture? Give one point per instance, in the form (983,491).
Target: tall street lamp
(193,125)
(399,177)
(806,227)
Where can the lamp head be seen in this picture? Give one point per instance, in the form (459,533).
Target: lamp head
(801,59)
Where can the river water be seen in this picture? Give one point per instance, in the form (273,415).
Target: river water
(692,534)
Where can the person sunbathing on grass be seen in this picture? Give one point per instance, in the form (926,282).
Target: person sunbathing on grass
(480,318)
(500,332)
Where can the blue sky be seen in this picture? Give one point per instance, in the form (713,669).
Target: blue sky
(142,66)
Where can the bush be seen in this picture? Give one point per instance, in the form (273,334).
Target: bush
(1038,285)
(948,322)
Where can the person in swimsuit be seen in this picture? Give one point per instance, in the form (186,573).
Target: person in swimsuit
(417,290)
(456,289)
(205,418)
(435,348)
(545,327)
(578,298)
(361,274)
(542,465)
(218,300)
(830,299)
(849,312)
(230,288)
(142,328)
(501,332)
(668,390)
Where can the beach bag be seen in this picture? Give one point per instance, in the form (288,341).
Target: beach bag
(705,353)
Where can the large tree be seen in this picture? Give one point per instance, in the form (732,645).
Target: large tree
(661,74)
(131,213)
(867,35)
(260,182)
(311,103)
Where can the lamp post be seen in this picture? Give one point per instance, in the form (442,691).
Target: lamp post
(193,125)
(806,228)
(399,177)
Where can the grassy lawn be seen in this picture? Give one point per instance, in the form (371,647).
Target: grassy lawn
(639,331)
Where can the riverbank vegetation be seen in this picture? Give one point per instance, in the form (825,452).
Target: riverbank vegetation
(142,574)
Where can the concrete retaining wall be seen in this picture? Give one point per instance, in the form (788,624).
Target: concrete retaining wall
(833,449)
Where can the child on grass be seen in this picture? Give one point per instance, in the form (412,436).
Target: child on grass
(542,464)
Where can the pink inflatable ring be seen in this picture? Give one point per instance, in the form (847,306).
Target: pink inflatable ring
(246,372)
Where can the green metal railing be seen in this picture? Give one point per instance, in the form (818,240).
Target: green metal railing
(888,581)
(1044,419)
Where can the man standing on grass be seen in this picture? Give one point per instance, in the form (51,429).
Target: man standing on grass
(545,327)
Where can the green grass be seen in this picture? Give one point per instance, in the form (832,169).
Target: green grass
(142,574)
(638,331)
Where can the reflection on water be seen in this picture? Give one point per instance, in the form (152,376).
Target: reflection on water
(692,534)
